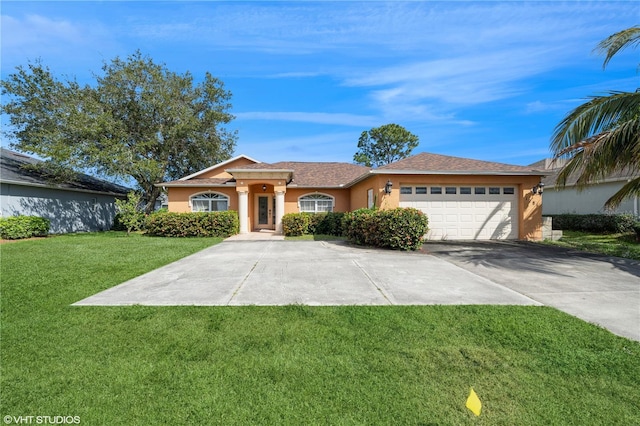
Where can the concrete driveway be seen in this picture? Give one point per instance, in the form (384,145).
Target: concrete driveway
(605,291)
(306,272)
(598,289)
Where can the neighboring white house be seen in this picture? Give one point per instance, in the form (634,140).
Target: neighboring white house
(569,199)
(83,204)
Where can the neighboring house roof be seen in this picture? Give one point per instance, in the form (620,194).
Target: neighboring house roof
(426,163)
(14,170)
(553,168)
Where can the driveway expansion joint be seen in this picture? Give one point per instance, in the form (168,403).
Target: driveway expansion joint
(373,283)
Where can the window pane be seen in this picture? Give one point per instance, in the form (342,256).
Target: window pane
(307,206)
(200,205)
(406,190)
(451,190)
(314,203)
(324,206)
(436,190)
(508,191)
(219,206)
(494,190)
(421,189)
(480,190)
(465,190)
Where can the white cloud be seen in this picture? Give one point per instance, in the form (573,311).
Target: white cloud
(336,146)
(342,119)
(63,44)
(36,29)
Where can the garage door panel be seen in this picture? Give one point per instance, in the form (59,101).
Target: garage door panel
(475,216)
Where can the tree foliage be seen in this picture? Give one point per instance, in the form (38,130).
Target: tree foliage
(385,144)
(129,212)
(602,136)
(138,121)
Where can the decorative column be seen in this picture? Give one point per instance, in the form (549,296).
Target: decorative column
(279,210)
(243,211)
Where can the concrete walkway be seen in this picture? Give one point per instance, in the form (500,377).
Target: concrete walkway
(266,235)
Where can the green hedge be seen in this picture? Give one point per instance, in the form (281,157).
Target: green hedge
(296,224)
(400,228)
(596,223)
(17,227)
(214,224)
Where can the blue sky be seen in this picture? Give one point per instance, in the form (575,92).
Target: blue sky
(483,80)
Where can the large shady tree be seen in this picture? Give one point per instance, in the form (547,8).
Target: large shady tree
(139,121)
(385,144)
(602,136)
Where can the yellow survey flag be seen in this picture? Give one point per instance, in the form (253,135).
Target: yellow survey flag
(473,403)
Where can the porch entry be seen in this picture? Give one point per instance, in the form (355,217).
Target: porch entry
(265,212)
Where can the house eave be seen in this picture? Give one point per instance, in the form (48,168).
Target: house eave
(62,188)
(457,172)
(294,186)
(195,185)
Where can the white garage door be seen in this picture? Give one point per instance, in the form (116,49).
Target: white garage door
(459,212)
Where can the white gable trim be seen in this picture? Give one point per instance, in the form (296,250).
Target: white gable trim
(219,165)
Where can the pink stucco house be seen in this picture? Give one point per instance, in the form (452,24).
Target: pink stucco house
(463,198)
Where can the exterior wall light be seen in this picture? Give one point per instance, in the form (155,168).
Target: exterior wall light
(537,189)
(264,188)
(387,187)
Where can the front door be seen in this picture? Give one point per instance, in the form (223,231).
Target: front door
(265,212)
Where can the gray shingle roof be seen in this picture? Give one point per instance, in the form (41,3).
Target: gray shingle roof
(426,162)
(315,174)
(13,168)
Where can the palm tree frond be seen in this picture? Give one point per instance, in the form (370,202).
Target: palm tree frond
(618,41)
(599,156)
(598,115)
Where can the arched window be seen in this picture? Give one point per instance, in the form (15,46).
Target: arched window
(209,202)
(315,203)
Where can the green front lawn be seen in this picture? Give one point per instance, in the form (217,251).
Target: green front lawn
(620,245)
(286,365)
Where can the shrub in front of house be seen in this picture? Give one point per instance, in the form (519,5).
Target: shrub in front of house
(359,226)
(398,229)
(18,227)
(596,223)
(330,224)
(210,224)
(296,224)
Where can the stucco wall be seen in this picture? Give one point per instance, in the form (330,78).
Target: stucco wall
(591,200)
(68,211)
(179,197)
(530,206)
